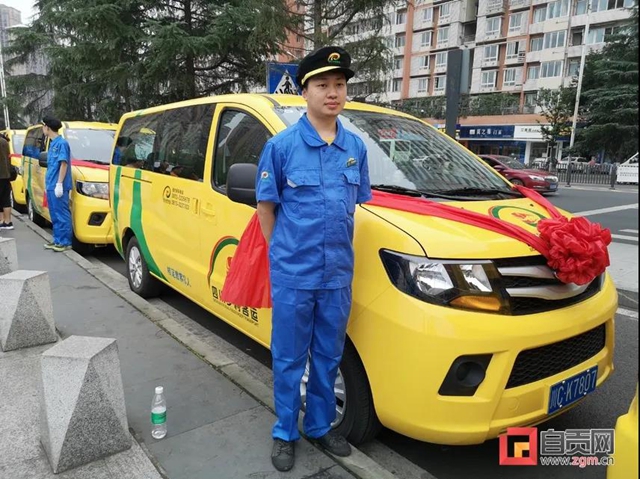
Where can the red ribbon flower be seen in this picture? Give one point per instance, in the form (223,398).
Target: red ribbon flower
(577,248)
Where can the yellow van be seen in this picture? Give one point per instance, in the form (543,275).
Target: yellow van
(456,333)
(16,140)
(91,145)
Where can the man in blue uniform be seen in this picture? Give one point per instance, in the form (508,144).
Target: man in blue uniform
(310,178)
(58,184)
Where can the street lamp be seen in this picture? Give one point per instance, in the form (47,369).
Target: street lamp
(3,86)
(583,56)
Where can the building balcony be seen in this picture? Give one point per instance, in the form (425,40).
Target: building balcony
(516,59)
(440,68)
(490,63)
(399,28)
(495,6)
(512,87)
(516,4)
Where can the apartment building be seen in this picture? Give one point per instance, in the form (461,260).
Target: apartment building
(9,17)
(516,47)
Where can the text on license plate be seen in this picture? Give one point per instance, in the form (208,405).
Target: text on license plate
(553,187)
(568,391)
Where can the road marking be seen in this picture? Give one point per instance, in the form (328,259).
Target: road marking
(629,231)
(629,313)
(606,210)
(624,237)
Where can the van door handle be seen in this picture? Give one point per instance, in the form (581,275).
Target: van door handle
(208,211)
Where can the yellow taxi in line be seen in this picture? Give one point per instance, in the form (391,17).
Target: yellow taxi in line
(456,332)
(91,144)
(16,140)
(625,455)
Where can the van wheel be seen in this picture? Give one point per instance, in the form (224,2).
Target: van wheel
(33,215)
(140,280)
(81,248)
(356,417)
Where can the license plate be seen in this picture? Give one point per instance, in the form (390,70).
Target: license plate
(553,187)
(568,391)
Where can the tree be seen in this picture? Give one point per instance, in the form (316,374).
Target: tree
(357,25)
(106,57)
(557,109)
(609,97)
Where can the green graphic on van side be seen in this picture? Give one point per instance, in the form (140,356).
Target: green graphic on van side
(116,203)
(136,226)
(220,245)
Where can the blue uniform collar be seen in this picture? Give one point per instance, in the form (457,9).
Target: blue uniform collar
(311,137)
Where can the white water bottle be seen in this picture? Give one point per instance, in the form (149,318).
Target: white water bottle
(159,414)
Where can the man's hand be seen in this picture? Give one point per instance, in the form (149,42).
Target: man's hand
(58,191)
(267,218)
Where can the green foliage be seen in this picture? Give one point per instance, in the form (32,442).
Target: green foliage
(106,57)
(356,25)
(609,97)
(557,108)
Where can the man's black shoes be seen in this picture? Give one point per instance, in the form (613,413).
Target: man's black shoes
(334,443)
(283,455)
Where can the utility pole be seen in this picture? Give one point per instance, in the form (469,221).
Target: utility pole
(3,86)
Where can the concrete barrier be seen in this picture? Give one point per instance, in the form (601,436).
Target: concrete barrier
(8,255)
(83,415)
(26,312)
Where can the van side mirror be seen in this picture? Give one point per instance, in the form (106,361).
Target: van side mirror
(42,161)
(241,183)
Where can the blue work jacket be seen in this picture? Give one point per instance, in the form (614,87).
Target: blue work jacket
(316,187)
(59,151)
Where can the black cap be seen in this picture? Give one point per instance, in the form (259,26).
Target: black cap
(323,60)
(52,122)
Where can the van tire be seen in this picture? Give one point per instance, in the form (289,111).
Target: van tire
(360,423)
(33,214)
(83,249)
(140,280)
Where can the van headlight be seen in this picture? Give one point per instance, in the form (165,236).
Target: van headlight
(458,284)
(95,190)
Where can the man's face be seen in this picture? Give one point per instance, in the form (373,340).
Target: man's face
(45,130)
(326,94)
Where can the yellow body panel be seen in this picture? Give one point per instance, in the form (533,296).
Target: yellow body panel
(17,186)
(189,230)
(91,216)
(625,456)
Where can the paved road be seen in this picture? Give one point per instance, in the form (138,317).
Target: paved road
(414,459)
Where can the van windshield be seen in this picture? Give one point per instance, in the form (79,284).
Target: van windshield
(409,154)
(91,145)
(18,140)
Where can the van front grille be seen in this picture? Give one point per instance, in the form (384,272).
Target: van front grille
(535,364)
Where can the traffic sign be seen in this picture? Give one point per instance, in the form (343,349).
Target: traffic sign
(281,78)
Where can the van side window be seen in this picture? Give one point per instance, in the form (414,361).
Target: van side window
(240,139)
(33,143)
(181,145)
(134,146)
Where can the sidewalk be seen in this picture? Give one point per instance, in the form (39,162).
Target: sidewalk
(217,430)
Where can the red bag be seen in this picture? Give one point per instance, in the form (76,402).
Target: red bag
(247,283)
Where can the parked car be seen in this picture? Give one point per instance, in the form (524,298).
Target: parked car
(436,349)
(625,455)
(518,173)
(578,163)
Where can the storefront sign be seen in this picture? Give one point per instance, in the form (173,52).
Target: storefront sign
(490,131)
(528,132)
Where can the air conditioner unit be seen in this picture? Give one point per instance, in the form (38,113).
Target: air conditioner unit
(521,56)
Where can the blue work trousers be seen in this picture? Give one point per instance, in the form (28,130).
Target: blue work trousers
(60,218)
(307,324)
